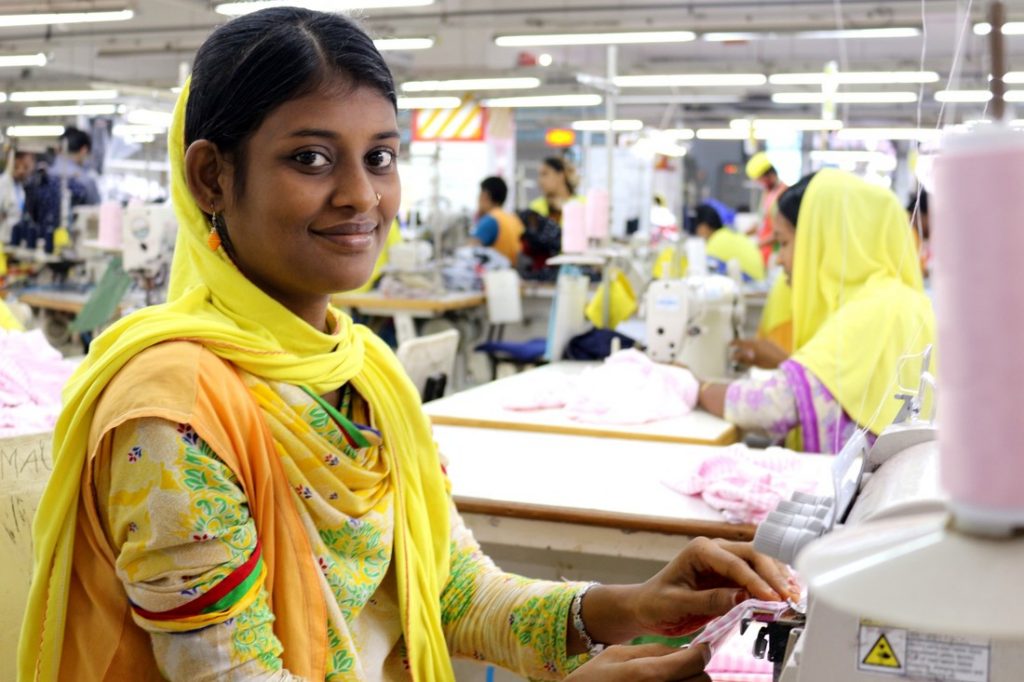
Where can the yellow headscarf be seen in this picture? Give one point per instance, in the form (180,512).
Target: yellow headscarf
(212,303)
(858,300)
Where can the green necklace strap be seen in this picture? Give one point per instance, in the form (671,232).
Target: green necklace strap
(351,430)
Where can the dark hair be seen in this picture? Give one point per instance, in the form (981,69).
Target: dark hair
(75,140)
(789,202)
(706,214)
(496,189)
(918,202)
(565,168)
(19,155)
(253,64)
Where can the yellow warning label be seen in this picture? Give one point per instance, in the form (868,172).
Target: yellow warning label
(882,655)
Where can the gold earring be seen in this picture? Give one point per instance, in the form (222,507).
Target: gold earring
(213,239)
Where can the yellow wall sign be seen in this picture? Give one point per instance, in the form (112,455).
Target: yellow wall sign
(467,123)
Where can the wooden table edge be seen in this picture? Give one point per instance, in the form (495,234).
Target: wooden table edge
(606,519)
(728,438)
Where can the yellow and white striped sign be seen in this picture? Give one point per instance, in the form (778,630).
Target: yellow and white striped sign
(468,123)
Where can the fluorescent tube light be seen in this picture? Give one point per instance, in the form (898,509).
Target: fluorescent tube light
(150,117)
(1010,28)
(611,38)
(963,96)
(828,34)
(911,134)
(546,101)
(845,97)
(57,18)
(601,125)
(464,84)
(429,102)
(12,60)
(776,124)
(73,110)
(393,44)
(692,80)
(855,78)
(62,95)
(35,131)
(234,9)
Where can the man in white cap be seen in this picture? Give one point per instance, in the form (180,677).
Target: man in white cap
(761,170)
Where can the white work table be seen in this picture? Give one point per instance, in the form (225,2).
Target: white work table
(581,480)
(484,407)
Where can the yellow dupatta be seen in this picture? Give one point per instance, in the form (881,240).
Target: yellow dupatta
(858,300)
(212,303)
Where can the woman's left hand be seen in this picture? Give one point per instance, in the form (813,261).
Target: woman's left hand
(706,580)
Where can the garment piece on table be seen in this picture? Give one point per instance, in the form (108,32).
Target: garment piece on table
(627,388)
(465,272)
(217,322)
(175,510)
(861,319)
(791,397)
(32,374)
(745,484)
(725,245)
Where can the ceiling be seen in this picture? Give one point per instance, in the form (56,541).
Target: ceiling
(152,50)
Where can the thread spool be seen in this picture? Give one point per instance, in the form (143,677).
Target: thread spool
(979,286)
(574,228)
(596,208)
(696,257)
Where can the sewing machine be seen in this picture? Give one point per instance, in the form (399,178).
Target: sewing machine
(893,484)
(693,321)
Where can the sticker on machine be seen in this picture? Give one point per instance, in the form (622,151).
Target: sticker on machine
(920,656)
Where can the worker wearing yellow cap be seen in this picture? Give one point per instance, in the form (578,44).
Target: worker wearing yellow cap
(761,170)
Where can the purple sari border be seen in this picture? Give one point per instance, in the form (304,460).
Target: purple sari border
(797,378)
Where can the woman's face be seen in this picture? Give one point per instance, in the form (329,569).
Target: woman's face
(785,235)
(552,182)
(309,223)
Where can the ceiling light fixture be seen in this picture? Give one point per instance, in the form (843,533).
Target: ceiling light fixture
(35,131)
(58,18)
(855,78)
(845,97)
(13,60)
(150,117)
(779,124)
(405,103)
(545,101)
(618,38)
(1010,28)
(62,95)
(462,85)
(828,34)
(234,9)
(621,125)
(395,44)
(73,110)
(963,96)
(692,80)
(872,134)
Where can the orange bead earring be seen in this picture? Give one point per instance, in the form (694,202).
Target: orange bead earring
(213,239)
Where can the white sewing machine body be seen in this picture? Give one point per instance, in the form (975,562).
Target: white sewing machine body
(693,321)
(842,646)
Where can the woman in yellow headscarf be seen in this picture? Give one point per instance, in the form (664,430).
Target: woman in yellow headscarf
(860,316)
(245,485)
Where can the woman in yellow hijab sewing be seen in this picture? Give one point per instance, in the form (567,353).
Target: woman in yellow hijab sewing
(860,316)
(245,485)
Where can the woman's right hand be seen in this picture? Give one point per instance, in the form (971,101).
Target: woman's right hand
(645,663)
(758,353)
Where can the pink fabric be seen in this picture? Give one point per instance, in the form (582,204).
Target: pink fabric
(32,375)
(745,484)
(732,658)
(628,388)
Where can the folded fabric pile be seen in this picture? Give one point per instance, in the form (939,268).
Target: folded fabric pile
(745,484)
(628,388)
(32,375)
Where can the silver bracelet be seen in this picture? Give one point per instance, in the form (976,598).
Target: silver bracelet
(576,611)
